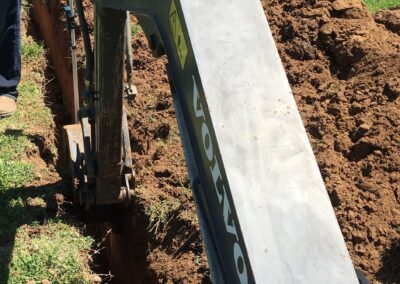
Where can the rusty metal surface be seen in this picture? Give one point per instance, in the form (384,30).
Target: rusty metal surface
(109,64)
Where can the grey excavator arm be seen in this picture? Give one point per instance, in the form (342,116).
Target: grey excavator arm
(264,211)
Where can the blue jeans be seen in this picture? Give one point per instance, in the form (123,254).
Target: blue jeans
(10,47)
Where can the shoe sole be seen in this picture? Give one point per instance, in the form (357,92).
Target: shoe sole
(7,114)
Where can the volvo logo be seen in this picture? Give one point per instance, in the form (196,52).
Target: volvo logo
(219,186)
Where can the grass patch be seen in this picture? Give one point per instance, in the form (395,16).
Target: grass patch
(135,28)
(160,213)
(32,109)
(15,174)
(376,5)
(12,146)
(31,51)
(32,113)
(19,206)
(13,171)
(31,118)
(52,252)
(35,244)
(38,241)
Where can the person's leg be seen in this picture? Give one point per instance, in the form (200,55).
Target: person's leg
(10,54)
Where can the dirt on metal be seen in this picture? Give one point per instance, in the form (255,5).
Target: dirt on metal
(343,65)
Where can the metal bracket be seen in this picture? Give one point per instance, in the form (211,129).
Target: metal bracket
(82,165)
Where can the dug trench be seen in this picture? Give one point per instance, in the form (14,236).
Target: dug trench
(342,64)
(160,240)
(33,211)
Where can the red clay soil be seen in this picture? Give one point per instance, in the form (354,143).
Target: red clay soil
(343,67)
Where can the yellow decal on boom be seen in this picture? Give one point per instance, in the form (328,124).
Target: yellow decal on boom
(177,33)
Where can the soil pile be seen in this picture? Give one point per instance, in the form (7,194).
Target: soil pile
(344,70)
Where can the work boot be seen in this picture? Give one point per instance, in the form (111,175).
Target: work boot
(8,106)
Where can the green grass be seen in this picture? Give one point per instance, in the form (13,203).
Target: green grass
(14,174)
(31,51)
(135,28)
(38,245)
(14,171)
(376,5)
(35,243)
(32,113)
(31,118)
(51,252)
(159,213)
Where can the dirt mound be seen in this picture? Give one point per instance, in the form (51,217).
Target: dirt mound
(343,68)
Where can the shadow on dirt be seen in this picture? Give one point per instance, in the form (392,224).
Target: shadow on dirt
(390,270)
